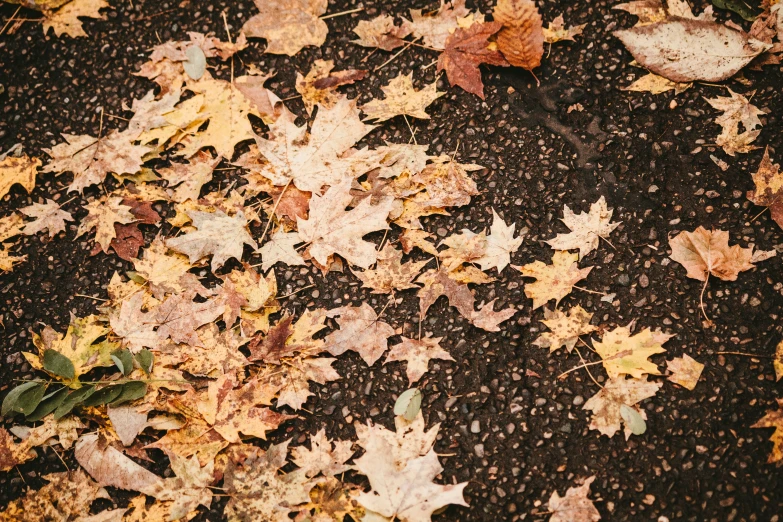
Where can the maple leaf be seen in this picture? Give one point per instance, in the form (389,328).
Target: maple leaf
(139,511)
(737,109)
(288,25)
(10,226)
(565,328)
(554,281)
(330,229)
(7,261)
(464,247)
(447,182)
(401,98)
(48,216)
(286,338)
(618,391)
(62,431)
(685,371)
(218,235)
(655,84)
(648,11)
(66,19)
(196,438)
(149,112)
(331,500)
(436,27)
(626,354)
(167,272)
(774,419)
(179,316)
(466,49)
(217,355)
(66,496)
(557,31)
(190,177)
(361,331)
(412,238)
(319,87)
(418,354)
(110,467)
(293,379)
(769,188)
(586,228)
(21,170)
(574,506)
(500,244)
(260,492)
(90,159)
(280,249)
(189,488)
(315,159)
(403,489)
(134,326)
(381,33)
(522,38)
(102,215)
(325,457)
(390,273)
(706,252)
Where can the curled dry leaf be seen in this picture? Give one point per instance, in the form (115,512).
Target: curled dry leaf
(706,252)
(685,371)
(401,98)
(655,84)
(380,33)
(565,329)
(288,25)
(466,49)
(418,354)
(737,109)
(553,281)
(574,506)
(48,216)
(66,19)
(769,188)
(522,38)
(586,228)
(685,50)
(320,85)
(618,391)
(557,31)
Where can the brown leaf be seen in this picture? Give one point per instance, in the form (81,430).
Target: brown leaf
(325,457)
(48,216)
(685,371)
(401,98)
(361,331)
(319,87)
(66,497)
(466,49)
(522,38)
(272,346)
(574,506)
(109,467)
(188,178)
(390,273)
(706,252)
(418,354)
(435,27)
(381,33)
(179,316)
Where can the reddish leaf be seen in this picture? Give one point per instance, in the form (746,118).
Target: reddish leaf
(466,49)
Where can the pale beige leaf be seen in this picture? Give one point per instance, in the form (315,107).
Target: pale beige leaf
(418,354)
(464,247)
(586,228)
(325,457)
(179,316)
(188,178)
(553,281)
(737,110)
(166,271)
(558,32)
(221,236)
(109,467)
(319,87)
(280,249)
(288,25)
(189,488)
(21,170)
(381,33)
(390,273)
(618,391)
(127,422)
(565,329)
(400,97)
(626,354)
(133,325)
(361,331)
(102,214)
(706,252)
(48,216)
(500,244)
(435,28)
(574,506)
(685,371)
(655,84)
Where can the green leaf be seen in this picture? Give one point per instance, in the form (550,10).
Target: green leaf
(742,7)
(124,361)
(29,400)
(633,420)
(58,364)
(104,395)
(146,359)
(130,392)
(49,403)
(135,277)
(11,400)
(408,404)
(74,398)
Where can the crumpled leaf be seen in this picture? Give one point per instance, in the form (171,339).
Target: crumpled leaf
(565,329)
(65,497)
(18,170)
(618,391)
(686,50)
(685,371)
(390,273)
(655,84)
(288,25)
(381,33)
(626,354)
(330,229)
(522,38)
(325,457)
(401,98)
(706,252)
(774,419)
(737,109)
(434,28)
(553,281)
(66,19)
(574,506)
(48,216)
(109,467)
(586,228)
(361,330)
(319,87)
(221,236)
(418,354)
(465,50)
(769,188)
(557,31)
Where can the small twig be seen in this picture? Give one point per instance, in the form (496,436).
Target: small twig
(91,297)
(585,365)
(413,134)
(746,354)
(589,291)
(274,209)
(586,368)
(759,214)
(10,20)
(341,13)
(291,98)
(387,62)
(117,117)
(701,298)
(296,291)
(609,242)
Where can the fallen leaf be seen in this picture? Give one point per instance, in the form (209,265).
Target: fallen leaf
(465,50)
(188,178)
(50,432)
(280,249)
(288,25)
(195,438)
(401,98)
(66,496)
(626,354)
(361,330)
(778,361)
(127,422)
(319,87)
(685,50)
(737,109)
(557,31)
(381,33)
(134,326)
(565,328)
(109,467)
(434,28)
(586,228)
(78,344)
(501,243)
(418,354)
(102,214)
(21,171)
(685,371)
(179,316)
(330,229)
(390,273)
(167,272)
(774,419)
(331,499)
(287,338)
(464,247)
(325,457)
(267,103)
(553,281)
(412,238)
(7,261)
(221,236)
(648,11)
(706,252)
(522,38)
(48,216)
(618,391)
(66,19)
(218,354)
(655,84)
(189,488)
(574,506)
(769,188)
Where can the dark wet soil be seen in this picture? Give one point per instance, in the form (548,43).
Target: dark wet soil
(508,426)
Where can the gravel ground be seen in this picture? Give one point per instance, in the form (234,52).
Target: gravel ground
(508,426)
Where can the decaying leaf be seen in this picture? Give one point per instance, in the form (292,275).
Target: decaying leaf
(418,354)
(655,84)
(66,19)
(390,273)
(66,496)
(109,467)
(280,249)
(574,506)
(685,371)
(553,281)
(221,236)
(102,214)
(522,38)
(179,316)
(648,11)
(381,33)
(769,188)
(325,457)
(565,329)
(434,28)
(21,171)
(361,330)
(188,178)
(466,49)
(166,271)
(48,216)
(618,391)
(774,419)
(557,31)
(626,354)
(401,98)
(706,252)
(288,25)
(737,109)
(319,87)
(586,228)
(685,50)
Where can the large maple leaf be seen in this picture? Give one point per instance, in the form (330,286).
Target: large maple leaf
(607,404)
(288,25)
(218,235)
(361,330)
(466,49)
(626,354)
